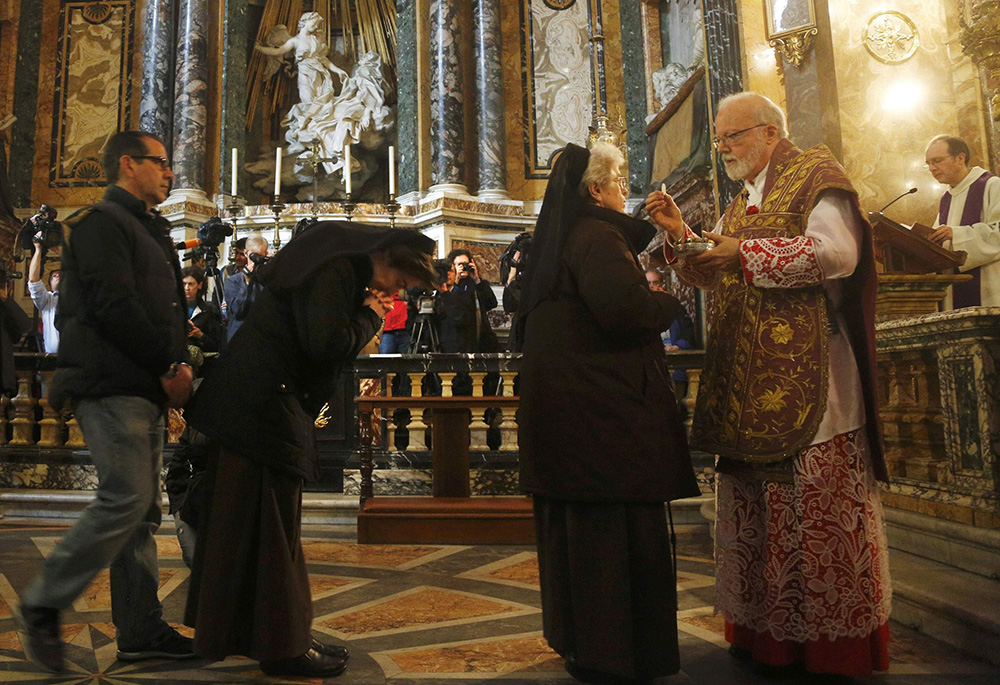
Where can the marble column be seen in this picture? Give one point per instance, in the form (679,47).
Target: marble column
(725,71)
(157,76)
(234,95)
(489,93)
(190,100)
(634,66)
(447,98)
(407,98)
(22,133)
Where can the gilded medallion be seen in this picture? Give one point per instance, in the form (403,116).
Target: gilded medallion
(890,37)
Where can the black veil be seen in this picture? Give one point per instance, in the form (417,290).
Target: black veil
(560,209)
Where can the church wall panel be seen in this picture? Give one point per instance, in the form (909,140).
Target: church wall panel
(85,94)
(883,142)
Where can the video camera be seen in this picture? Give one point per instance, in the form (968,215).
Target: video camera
(41,229)
(210,235)
(258,259)
(513,257)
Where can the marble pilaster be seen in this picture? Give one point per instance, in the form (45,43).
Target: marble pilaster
(447,98)
(234,93)
(489,91)
(634,65)
(725,71)
(190,100)
(407,99)
(22,133)
(157,74)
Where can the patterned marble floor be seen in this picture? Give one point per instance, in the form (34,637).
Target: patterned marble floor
(415,615)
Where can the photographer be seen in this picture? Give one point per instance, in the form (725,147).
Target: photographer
(241,289)
(464,325)
(46,300)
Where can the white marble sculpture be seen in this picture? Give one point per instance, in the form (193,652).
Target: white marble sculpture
(667,81)
(355,113)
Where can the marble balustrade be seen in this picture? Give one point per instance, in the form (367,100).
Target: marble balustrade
(400,438)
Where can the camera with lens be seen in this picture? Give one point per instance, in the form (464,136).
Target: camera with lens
(258,259)
(41,229)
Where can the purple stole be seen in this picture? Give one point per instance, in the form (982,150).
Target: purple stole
(967,294)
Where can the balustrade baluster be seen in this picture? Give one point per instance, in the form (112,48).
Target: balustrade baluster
(4,406)
(24,410)
(367,464)
(508,430)
(447,378)
(418,429)
(694,380)
(477,431)
(508,383)
(477,383)
(49,425)
(74,436)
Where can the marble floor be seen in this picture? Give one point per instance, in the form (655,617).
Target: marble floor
(415,615)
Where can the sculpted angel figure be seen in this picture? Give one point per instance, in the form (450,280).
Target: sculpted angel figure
(316,71)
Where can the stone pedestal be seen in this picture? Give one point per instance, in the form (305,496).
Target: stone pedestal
(904,296)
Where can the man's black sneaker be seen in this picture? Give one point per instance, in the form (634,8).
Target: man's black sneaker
(172,646)
(39,631)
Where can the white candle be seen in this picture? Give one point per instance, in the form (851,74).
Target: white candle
(233,184)
(392,171)
(277,175)
(347,168)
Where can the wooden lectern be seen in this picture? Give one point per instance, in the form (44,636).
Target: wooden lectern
(910,282)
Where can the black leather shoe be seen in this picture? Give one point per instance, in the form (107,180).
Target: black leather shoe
(312,664)
(740,654)
(172,645)
(336,651)
(39,630)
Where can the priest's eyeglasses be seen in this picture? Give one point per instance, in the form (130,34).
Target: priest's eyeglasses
(731,138)
(163,162)
(936,161)
(623,184)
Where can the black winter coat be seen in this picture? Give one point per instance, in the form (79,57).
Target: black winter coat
(598,420)
(262,396)
(122,312)
(456,316)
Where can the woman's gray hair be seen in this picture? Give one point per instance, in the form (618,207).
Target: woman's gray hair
(601,167)
(761,109)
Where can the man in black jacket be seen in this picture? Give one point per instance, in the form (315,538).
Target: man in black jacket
(122,320)
(464,325)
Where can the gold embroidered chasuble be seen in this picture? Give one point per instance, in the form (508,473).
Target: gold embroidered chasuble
(764,386)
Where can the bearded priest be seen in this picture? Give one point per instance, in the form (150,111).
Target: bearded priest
(787,401)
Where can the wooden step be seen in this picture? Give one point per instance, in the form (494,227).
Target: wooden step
(447,520)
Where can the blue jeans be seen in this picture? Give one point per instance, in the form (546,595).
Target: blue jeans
(394,342)
(125,438)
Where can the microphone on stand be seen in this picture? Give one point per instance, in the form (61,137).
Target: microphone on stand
(908,192)
(196,242)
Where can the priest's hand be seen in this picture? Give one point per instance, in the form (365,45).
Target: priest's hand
(941,234)
(666,214)
(724,256)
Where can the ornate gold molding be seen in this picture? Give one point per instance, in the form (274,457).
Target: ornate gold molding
(794,46)
(981,42)
(890,37)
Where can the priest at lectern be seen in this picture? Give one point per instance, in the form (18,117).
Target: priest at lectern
(968,217)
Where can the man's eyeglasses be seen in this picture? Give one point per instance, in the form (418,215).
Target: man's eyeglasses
(623,183)
(162,161)
(730,138)
(936,161)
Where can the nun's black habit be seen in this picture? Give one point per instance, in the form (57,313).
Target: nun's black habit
(249,585)
(601,443)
